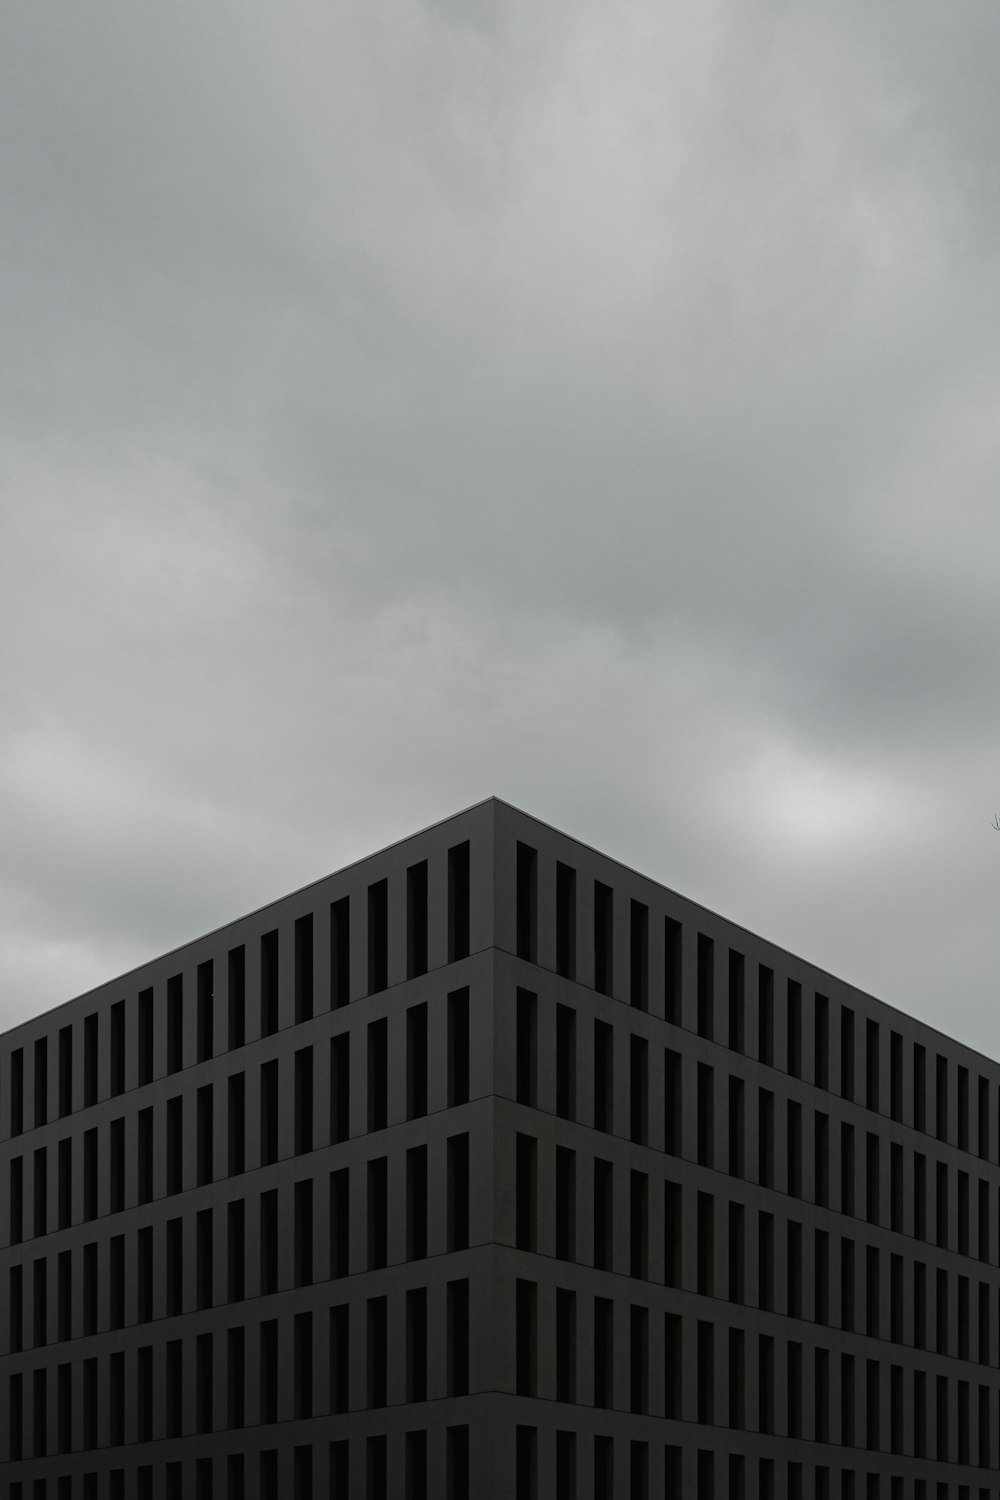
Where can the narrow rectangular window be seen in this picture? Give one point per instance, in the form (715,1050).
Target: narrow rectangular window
(603,1213)
(457,1463)
(737,1379)
(638,1089)
(340,1222)
(526,1463)
(765,1137)
(236,1251)
(269,978)
(90,1183)
(269,1375)
(638,1360)
(236,1123)
(793,1271)
(672,935)
(416,1344)
(847,1284)
(821,1042)
(565,1205)
(919,1087)
(706,986)
(40,1296)
(565,1464)
(457,1338)
(303,936)
(638,1224)
(565,921)
(765,1383)
(846,1168)
(268,1242)
(64,1293)
(378,1350)
(963,1109)
(269,1112)
(116,1165)
(303,1101)
(41,1081)
(941,1099)
(872,1065)
(794,1027)
(458,1048)
(205,981)
(895,1076)
(639,954)
(41,1191)
(527,902)
(737,1254)
(174,1388)
(737,967)
(65,1070)
(565,1344)
(737,1128)
(144,1393)
(821,1158)
(416,1062)
(604,1076)
(340,1088)
(16,1200)
(459,902)
(765,1262)
(821,1277)
(604,1348)
(706,1373)
(525,1191)
(378,1074)
(204,1382)
(235,1378)
(416,920)
(458,1192)
(673,1115)
(378,936)
(175,1023)
(203,1258)
(205,1106)
(144,1274)
(17,1091)
(794,1146)
(984,1118)
(603,938)
(145,1036)
(378,1213)
(175,1268)
(846,1052)
(303,1232)
(302,1366)
(237,998)
(793,1386)
(765,1014)
(416,1203)
(565,1062)
(526,1043)
(706,1115)
(340,952)
(706,1245)
(673,1358)
(90,1061)
(15,1303)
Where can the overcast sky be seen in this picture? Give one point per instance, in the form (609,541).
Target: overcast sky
(595,405)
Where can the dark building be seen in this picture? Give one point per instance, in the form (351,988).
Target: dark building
(489,1168)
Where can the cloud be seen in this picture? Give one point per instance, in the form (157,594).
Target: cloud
(403,404)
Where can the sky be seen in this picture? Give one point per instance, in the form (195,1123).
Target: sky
(595,406)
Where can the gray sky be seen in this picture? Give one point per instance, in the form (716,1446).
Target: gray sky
(595,405)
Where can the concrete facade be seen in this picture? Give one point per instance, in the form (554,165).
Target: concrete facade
(487,1167)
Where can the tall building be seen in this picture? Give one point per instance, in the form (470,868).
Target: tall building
(488,1168)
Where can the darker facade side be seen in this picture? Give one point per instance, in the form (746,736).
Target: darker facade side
(490,1168)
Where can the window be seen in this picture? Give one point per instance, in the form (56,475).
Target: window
(458,1048)
(565,1062)
(672,970)
(603,938)
(457,1338)
(378,1066)
(526,1191)
(706,986)
(340,953)
(638,1089)
(269,980)
(175,1023)
(458,1192)
(872,1065)
(340,1088)
(673,1119)
(205,1134)
(603,1076)
(565,921)
(794,1032)
(416,1061)
(303,1101)
(565,1203)
(269,1112)
(41,1081)
(706,1115)
(527,902)
(737,1127)
(378,1213)
(459,902)
(526,1047)
(206,1009)
(416,920)
(846,1053)
(237,997)
(737,966)
(303,1232)
(639,954)
(65,1070)
(416,1344)
(765,1015)
(303,936)
(416,1203)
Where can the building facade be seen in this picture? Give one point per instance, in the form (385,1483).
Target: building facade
(488,1168)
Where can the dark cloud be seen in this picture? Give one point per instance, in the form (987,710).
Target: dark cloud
(596,408)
